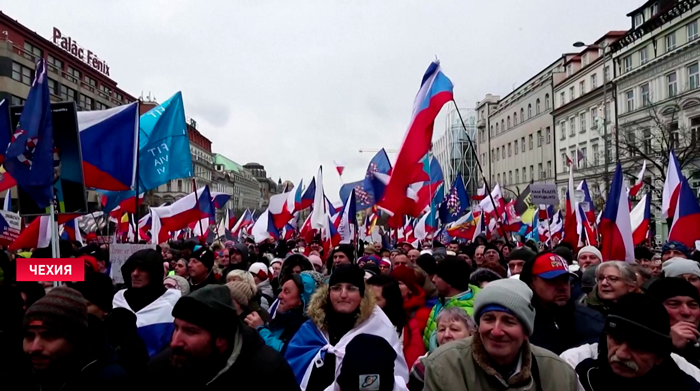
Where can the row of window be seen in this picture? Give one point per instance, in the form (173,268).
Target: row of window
(55,65)
(583,121)
(582,87)
(506,124)
(25,75)
(495,156)
(671,88)
(510,179)
(691,30)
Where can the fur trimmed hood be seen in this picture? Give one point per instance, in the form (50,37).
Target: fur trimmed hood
(317,307)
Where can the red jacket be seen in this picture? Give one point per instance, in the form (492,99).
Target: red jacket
(418,315)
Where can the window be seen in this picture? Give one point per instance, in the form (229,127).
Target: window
(629,98)
(569,70)
(524,174)
(548,133)
(562,99)
(606,74)
(532,173)
(539,138)
(564,161)
(584,158)
(562,126)
(546,102)
(607,112)
(596,157)
(654,9)
(529,111)
(55,65)
(73,74)
(530,141)
(517,175)
(582,122)
(693,81)
(493,157)
(594,116)
(539,170)
(515,146)
(68,94)
(22,74)
(17,101)
(627,63)
(32,52)
(510,176)
(497,129)
(594,81)
(503,152)
(85,102)
(694,129)
(571,94)
(522,144)
(499,178)
(572,126)
(643,56)
(632,143)
(671,41)
(522,114)
(91,83)
(537,107)
(638,19)
(644,89)
(692,29)
(509,150)
(675,136)
(582,87)
(491,131)
(608,150)
(672,83)
(53,86)
(503,126)
(508,123)
(100,106)
(585,60)
(549,168)
(647,138)
(515,118)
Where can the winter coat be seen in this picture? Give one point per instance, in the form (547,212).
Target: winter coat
(566,328)
(211,279)
(465,365)
(310,345)
(463,300)
(251,366)
(266,295)
(417,315)
(674,373)
(594,302)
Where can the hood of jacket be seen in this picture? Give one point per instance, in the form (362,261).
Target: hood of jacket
(148,260)
(317,307)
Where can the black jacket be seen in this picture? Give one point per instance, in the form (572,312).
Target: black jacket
(257,367)
(567,327)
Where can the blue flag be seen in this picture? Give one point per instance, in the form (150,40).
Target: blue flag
(29,157)
(455,203)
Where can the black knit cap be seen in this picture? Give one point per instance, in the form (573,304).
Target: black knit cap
(642,322)
(346,249)
(63,310)
(210,308)
(368,364)
(522,254)
(350,274)
(666,288)
(642,252)
(427,263)
(205,256)
(97,289)
(454,271)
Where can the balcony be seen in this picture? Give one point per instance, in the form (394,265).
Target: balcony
(481,123)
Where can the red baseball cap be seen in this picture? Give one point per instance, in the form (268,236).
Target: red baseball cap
(549,266)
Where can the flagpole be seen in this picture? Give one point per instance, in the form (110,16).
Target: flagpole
(55,251)
(136,188)
(196,199)
(481,170)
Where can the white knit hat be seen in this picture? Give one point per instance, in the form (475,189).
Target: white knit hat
(676,267)
(590,250)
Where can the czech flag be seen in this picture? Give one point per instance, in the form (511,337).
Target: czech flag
(640,181)
(108,141)
(672,186)
(615,224)
(219,200)
(307,198)
(71,231)
(339,166)
(348,220)
(570,221)
(434,92)
(279,209)
(687,217)
(185,210)
(264,228)
(245,221)
(640,217)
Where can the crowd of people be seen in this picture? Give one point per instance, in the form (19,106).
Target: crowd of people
(289,315)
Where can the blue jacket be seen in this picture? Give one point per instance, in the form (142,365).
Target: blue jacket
(567,327)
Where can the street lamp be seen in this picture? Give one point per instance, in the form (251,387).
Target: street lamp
(602,46)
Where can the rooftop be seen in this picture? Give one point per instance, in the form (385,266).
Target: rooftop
(229,165)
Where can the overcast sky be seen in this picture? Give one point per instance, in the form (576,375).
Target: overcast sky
(294,84)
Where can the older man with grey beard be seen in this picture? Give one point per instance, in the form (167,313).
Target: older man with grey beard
(635,352)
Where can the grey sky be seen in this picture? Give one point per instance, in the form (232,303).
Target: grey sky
(293,84)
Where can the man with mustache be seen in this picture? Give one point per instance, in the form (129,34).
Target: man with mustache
(59,350)
(211,348)
(634,352)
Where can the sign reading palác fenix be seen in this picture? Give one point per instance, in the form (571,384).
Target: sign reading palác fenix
(87,56)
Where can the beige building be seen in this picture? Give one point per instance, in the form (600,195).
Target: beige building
(519,145)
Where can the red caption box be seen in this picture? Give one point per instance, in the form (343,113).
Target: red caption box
(51,269)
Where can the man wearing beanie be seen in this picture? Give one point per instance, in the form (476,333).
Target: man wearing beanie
(682,302)
(452,282)
(337,314)
(561,323)
(146,297)
(59,352)
(343,254)
(673,249)
(201,269)
(499,356)
(634,353)
(517,259)
(211,348)
(686,269)
(588,256)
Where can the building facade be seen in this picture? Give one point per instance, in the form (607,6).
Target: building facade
(453,152)
(519,147)
(268,186)
(246,192)
(657,80)
(583,118)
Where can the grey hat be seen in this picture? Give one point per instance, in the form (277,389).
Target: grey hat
(509,294)
(675,267)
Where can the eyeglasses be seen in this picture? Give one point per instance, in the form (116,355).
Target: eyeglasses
(337,288)
(611,279)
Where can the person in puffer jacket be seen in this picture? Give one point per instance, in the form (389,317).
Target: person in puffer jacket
(452,281)
(291,312)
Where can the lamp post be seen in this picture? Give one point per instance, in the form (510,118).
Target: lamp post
(602,46)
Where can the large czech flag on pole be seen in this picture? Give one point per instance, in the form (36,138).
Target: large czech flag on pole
(570,220)
(641,216)
(672,187)
(686,219)
(615,225)
(434,92)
